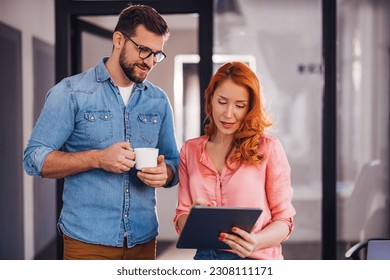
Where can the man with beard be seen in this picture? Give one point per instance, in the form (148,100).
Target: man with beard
(86,133)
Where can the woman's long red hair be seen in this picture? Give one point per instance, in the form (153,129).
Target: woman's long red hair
(246,139)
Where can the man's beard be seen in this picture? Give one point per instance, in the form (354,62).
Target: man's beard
(129,69)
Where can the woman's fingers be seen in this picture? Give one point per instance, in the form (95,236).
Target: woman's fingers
(241,241)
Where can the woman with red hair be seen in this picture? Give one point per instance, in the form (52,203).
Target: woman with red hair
(236,164)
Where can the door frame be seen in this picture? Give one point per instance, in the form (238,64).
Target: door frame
(329,128)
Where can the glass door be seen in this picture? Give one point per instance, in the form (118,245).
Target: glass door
(363,121)
(285,39)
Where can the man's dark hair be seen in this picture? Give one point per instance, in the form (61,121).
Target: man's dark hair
(134,15)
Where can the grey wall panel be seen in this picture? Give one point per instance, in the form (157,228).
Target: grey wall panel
(44,189)
(11,150)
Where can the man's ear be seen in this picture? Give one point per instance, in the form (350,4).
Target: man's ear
(118,40)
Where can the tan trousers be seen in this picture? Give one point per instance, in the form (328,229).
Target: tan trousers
(77,250)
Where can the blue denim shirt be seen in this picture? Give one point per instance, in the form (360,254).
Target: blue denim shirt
(85,112)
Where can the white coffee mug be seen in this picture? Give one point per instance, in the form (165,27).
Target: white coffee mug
(145,157)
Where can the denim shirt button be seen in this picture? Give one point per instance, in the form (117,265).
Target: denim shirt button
(127,190)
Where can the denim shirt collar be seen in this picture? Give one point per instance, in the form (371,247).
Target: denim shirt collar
(103,75)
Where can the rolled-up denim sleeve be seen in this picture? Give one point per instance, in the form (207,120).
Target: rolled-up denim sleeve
(52,129)
(33,161)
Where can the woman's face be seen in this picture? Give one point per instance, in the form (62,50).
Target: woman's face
(230,104)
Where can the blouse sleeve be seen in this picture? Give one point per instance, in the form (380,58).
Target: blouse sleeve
(278,185)
(184,195)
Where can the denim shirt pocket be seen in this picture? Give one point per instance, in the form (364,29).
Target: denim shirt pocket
(98,125)
(149,128)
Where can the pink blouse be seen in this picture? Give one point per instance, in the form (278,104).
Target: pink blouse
(266,185)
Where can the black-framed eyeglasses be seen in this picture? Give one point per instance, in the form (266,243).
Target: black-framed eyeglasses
(145,52)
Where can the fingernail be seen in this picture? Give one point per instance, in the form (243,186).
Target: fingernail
(234,229)
(220,238)
(221,235)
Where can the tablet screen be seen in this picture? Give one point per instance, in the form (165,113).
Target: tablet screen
(204,224)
